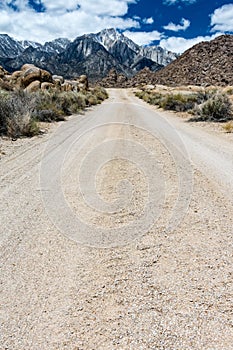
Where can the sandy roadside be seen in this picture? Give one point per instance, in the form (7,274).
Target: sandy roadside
(163,290)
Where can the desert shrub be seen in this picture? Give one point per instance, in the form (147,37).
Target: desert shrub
(54,106)
(149,97)
(48,115)
(45,107)
(82,101)
(16,115)
(229,91)
(100,93)
(216,108)
(178,102)
(154,98)
(70,102)
(174,102)
(92,100)
(139,94)
(20,111)
(228,127)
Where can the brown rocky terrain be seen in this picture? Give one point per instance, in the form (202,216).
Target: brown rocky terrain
(114,79)
(207,63)
(31,78)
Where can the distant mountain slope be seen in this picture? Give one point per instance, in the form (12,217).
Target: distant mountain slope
(91,54)
(9,47)
(207,63)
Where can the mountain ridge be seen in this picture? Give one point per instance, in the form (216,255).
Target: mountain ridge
(91,54)
(206,63)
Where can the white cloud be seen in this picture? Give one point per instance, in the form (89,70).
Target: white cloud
(179,44)
(222,19)
(69,18)
(172,2)
(148,20)
(185,23)
(143,38)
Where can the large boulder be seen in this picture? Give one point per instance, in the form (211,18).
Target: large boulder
(15,79)
(58,79)
(47,86)
(67,86)
(26,66)
(83,82)
(34,86)
(3,72)
(29,75)
(45,76)
(5,85)
(31,78)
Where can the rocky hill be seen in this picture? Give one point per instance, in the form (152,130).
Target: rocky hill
(207,63)
(91,54)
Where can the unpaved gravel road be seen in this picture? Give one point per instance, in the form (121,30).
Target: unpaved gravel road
(170,286)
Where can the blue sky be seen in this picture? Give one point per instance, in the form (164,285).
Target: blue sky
(173,24)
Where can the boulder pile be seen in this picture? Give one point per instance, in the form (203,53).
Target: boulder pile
(113,80)
(31,78)
(205,64)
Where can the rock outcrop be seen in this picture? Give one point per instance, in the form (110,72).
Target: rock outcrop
(31,78)
(113,80)
(92,54)
(207,63)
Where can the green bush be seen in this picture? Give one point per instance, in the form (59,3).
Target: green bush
(207,105)
(217,108)
(20,111)
(54,106)
(178,102)
(92,100)
(100,93)
(149,97)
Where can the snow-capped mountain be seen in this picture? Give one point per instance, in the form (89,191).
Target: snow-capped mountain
(56,46)
(108,37)
(9,47)
(27,43)
(158,54)
(91,54)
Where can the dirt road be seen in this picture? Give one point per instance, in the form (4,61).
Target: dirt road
(116,233)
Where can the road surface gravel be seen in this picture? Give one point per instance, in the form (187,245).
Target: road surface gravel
(162,282)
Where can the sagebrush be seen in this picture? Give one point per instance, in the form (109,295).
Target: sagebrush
(21,111)
(208,105)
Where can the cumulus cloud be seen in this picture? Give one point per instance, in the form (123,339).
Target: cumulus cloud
(143,38)
(184,24)
(148,20)
(222,19)
(69,18)
(172,2)
(179,44)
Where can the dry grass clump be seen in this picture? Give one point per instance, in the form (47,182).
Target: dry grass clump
(16,114)
(178,102)
(21,111)
(205,105)
(217,108)
(228,127)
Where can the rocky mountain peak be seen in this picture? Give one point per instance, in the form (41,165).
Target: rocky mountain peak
(9,47)
(91,54)
(206,63)
(108,37)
